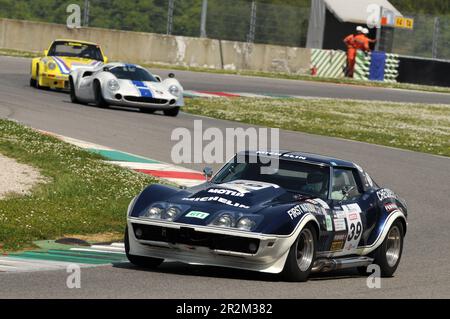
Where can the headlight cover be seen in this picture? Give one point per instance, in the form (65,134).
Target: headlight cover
(163,211)
(174,90)
(237,221)
(113,85)
(245,223)
(51,65)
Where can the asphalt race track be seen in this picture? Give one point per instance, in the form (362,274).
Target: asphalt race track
(423,180)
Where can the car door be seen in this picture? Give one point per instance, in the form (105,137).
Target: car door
(349,218)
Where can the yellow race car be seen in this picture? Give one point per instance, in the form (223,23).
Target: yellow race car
(52,70)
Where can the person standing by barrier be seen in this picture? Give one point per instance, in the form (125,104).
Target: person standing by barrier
(351,51)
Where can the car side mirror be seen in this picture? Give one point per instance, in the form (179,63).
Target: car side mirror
(208,172)
(171,75)
(45,52)
(105,59)
(158,78)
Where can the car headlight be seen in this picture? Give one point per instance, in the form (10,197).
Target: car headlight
(154,212)
(174,90)
(171,213)
(224,221)
(245,224)
(51,65)
(113,85)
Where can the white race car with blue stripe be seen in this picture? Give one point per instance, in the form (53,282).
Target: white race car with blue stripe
(128,85)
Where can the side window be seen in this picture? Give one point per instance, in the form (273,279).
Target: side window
(344,181)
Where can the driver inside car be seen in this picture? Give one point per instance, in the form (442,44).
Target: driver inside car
(316,183)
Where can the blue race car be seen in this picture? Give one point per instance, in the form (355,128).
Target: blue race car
(309,214)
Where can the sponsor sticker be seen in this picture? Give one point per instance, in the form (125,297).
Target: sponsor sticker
(295,212)
(328,223)
(229,192)
(216,199)
(385,193)
(196,214)
(338,242)
(340,224)
(390,207)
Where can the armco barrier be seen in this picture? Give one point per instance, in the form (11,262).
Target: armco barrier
(156,48)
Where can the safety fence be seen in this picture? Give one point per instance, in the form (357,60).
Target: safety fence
(333,64)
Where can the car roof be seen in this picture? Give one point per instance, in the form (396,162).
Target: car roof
(304,157)
(76,41)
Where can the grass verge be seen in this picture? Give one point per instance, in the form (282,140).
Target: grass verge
(83,195)
(416,127)
(273,75)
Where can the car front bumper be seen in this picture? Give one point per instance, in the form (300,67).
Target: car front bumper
(203,245)
(55,81)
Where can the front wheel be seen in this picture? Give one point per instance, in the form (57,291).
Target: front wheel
(99,100)
(301,256)
(172,112)
(388,255)
(145,262)
(73,97)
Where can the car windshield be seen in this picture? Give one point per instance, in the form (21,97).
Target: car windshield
(78,50)
(133,73)
(294,176)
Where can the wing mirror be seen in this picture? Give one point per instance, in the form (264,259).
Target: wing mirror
(158,78)
(45,52)
(208,172)
(105,59)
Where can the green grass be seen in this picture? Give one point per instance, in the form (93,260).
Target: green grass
(82,195)
(416,127)
(17,53)
(273,75)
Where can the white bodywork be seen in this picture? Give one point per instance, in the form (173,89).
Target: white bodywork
(149,95)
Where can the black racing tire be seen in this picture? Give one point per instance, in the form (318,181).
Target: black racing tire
(302,255)
(146,110)
(73,97)
(99,100)
(172,112)
(144,262)
(388,255)
(33,82)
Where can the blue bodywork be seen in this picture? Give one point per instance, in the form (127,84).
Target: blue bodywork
(341,225)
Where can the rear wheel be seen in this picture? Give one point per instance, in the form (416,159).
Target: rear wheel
(99,100)
(145,262)
(388,255)
(172,112)
(33,82)
(301,256)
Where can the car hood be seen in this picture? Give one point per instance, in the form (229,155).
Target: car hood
(67,64)
(237,198)
(146,89)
